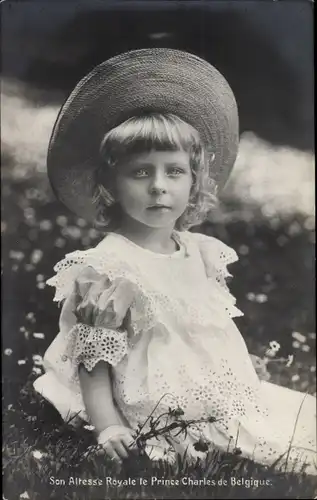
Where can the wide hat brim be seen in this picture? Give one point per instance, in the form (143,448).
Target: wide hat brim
(140,81)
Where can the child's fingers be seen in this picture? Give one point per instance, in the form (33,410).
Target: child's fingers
(111,452)
(129,442)
(120,449)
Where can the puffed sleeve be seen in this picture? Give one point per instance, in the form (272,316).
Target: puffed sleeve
(78,343)
(107,342)
(217,256)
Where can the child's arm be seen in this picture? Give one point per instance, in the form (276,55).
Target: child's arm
(97,395)
(96,388)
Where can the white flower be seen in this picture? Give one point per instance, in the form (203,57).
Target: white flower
(290,360)
(61,220)
(261,298)
(89,427)
(21,362)
(295,378)
(274,345)
(37,359)
(251,296)
(274,348)
(305,348)
(37,370)
(36,256)
(298,336)
(296,344)
(8,352)
(37,454)
(38,335)
(45,225)
(24,495)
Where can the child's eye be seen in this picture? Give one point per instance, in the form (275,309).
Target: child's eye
(141,172)
(176,171)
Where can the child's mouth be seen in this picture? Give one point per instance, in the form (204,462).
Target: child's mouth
(159,208)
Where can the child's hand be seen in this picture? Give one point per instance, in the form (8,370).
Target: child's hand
(117,441)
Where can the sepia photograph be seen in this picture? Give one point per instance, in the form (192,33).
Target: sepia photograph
(158,249)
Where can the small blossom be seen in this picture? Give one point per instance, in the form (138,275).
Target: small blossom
(81,222)
(61,220)
(274,345)
(72,231)
(290,360)
(24,495)
(261,298)
(89,427)
(274,348)
(37,359)
(37,454)
(296,344)
(21,362)
(36,256)
(298,336)
(8,352)
(313,368)
(36,370)
(305,348)
(295,378)
(251,296)
(30,316)
(45,225)
(38,335)
(17,255)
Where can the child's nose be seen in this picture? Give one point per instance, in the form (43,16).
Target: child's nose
(158,184)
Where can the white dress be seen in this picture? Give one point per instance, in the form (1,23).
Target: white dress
(170,331)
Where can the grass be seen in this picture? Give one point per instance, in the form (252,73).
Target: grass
(45,457)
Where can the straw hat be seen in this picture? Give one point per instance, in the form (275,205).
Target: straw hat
(158,80)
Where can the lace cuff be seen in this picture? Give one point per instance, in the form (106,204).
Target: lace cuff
(94,344)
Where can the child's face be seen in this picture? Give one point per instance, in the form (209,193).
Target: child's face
(153,188)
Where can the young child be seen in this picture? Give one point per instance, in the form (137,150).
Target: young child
(141,147)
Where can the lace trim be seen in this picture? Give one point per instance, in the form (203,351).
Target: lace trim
(216,256)
(94,344)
